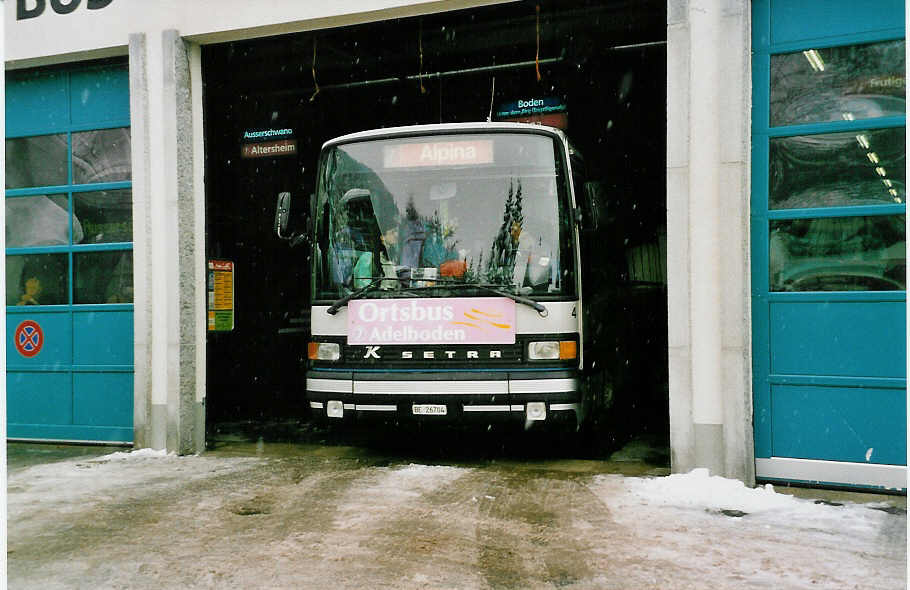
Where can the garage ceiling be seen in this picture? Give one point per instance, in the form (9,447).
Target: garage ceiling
(571,31)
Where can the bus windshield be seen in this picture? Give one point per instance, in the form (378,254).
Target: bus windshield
(423,212)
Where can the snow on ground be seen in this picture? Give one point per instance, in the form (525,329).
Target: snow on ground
(712,521)
(329,513)
(75,484)
(698,489)
(133,455)
(391,487)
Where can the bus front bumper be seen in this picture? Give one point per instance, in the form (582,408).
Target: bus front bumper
(526,396)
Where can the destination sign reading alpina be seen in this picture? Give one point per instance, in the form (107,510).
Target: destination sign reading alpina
(438,153)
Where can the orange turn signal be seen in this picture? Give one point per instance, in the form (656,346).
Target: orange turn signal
(568,349)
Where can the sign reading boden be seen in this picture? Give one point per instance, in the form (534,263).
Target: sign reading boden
(462,320)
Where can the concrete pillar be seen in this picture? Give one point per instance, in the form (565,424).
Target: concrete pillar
(196,324)
(168,244)
(708,108)
(142,279)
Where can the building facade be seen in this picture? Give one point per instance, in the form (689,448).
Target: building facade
(783,155)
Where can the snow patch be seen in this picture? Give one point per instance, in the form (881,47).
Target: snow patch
(416,470)
(389,487)
(700,489)
(137,454)
(77,484)
(412,480)
(687,514)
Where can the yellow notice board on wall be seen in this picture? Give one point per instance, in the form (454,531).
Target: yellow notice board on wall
(220,295)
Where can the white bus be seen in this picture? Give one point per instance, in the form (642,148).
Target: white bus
(446,275)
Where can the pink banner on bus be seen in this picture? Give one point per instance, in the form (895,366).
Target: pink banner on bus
(463,320)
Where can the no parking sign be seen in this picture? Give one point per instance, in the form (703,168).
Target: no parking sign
(29,338)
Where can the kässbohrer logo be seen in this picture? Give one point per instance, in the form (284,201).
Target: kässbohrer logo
(33,8)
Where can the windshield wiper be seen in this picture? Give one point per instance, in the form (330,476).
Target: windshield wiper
(495,289)
(374,281)
(333,309)
(540,309)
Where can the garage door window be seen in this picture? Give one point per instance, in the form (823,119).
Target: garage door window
(69,206)
(863,167)
(36,161)
(39,279)
(101,156)
(847,83)
(103,277)
(838,254)
(836,198)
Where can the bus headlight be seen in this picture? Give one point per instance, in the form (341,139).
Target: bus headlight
(539,351)
(324,351)
(552,350)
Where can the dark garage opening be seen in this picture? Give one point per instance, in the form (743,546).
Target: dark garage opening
(605,60)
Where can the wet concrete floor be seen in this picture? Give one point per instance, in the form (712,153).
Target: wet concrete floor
(300,506)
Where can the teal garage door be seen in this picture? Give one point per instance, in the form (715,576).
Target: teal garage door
(828,240)
(69,259)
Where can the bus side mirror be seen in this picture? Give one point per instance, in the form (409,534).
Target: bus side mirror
(595,206)
(282,212)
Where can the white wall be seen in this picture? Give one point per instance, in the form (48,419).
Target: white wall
(84,33)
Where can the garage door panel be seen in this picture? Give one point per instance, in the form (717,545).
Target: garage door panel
(99,95)
(839,423)
(103,337)
(790,20)
(56,340)
(103,399)
(839,338)
(69,330)
(70,432)
(39,398)
(36,116)
(828,242)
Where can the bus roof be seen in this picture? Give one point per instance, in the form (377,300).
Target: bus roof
(440,128)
